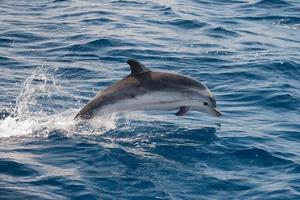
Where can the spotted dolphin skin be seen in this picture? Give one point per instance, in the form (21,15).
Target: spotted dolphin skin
(144,89)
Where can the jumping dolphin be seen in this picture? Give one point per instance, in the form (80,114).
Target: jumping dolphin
(148,90)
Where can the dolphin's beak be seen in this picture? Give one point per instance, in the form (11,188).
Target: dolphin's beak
(212,108)
(215,112)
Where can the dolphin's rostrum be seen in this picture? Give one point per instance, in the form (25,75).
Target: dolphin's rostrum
(144,89)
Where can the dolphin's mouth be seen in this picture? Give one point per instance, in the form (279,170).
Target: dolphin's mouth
(213,108)
(215,112)
(213,102)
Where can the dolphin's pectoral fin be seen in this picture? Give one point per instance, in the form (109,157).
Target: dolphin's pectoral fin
(137,67)
(182,110)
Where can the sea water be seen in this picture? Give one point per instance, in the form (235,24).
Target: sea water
(55,55)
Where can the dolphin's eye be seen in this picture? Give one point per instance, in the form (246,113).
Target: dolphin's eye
(205,103)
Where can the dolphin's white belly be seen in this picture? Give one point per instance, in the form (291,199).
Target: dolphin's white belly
(149,101)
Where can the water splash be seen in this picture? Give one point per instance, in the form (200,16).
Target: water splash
(32,117)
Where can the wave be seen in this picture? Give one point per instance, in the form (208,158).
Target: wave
(257,156)
(82,14)
(98,21)
(14,168)
(270,4)
(221,32)
(286,19)
(187,24)
(19,36)
(277,20)
(180,23)
(93,45)
(73,72)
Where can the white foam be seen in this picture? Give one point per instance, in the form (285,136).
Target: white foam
(28,118)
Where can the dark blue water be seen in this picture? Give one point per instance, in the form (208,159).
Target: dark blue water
(55,55)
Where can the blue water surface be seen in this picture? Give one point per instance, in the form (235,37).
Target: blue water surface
(56,54)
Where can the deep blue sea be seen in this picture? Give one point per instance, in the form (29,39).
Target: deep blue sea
(56,54)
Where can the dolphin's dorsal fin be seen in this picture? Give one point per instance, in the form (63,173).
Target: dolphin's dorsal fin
(137,67)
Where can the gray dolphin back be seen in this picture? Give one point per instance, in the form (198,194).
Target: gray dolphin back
(140,81)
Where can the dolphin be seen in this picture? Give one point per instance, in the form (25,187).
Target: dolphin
(144,89)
